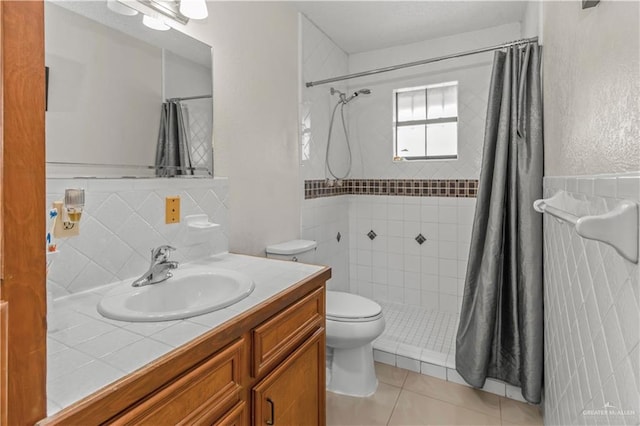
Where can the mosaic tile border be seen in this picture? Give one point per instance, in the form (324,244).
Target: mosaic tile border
(319,188)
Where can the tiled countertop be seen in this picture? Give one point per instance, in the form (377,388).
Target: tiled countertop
(86,351)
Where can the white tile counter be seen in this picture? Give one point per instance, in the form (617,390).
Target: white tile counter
(86,351)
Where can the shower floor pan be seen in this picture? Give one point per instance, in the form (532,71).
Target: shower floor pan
(423,341)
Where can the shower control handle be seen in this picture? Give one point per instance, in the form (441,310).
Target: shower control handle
(271,420)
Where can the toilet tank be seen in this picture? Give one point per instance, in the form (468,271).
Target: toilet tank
(303,251)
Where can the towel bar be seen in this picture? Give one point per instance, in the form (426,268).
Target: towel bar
(617,227)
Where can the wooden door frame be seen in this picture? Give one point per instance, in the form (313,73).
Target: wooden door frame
(22,206)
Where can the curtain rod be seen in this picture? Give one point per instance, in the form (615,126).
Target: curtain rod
(188,98)
(422,62)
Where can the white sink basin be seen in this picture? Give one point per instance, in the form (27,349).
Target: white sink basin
(190,292)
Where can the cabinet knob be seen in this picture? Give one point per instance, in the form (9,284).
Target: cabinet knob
(271,421)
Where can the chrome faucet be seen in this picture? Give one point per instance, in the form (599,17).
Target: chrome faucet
(159,269)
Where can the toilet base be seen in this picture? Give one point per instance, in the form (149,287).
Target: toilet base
(352,372)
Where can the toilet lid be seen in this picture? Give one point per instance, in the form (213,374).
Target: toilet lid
(351,307)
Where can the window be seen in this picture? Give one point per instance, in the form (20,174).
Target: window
(426,122)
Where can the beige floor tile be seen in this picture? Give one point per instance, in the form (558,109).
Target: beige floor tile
(374,410)
(415,409)
(454,393)
(390,375)
(520,413)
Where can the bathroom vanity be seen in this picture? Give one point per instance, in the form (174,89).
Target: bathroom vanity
(264,365)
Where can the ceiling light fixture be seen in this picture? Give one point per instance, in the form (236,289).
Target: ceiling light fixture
(121,8)
(194,9)
(158,9)
(154,24)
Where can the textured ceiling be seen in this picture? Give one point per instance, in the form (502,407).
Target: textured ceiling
(359,26)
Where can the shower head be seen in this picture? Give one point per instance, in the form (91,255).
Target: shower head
(343,96)
(359,92)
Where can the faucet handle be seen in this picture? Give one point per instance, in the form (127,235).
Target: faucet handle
(161,253)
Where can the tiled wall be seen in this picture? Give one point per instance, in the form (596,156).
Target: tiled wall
(124,219)
(394,266)
(318,188)
(321,58)
(370,116)
(372,131)
(592,313)
(322,219)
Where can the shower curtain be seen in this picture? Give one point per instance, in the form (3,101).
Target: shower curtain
(173,153)
(501,322)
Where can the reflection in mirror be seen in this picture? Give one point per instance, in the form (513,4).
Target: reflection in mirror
(123,99)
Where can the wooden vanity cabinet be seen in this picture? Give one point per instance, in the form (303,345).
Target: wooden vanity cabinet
(265,367)
(293,394)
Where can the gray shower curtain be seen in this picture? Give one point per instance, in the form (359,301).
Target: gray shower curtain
(501,322)
(173,153)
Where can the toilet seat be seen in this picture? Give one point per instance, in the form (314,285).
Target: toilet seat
(347,307)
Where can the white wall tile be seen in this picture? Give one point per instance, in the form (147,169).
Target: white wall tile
(384,357)
(123,221)
(591,313)
(433,370)
(408,363)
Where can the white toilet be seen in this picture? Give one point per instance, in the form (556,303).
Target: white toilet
(353,322)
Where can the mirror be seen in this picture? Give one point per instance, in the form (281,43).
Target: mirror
(108,76)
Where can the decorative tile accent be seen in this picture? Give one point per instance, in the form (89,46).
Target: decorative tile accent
(394,187)
(592,314)
(372,235)
(420,239)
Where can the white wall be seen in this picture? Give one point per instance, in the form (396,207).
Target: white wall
(532,20)
(255,72)
(591,88)
(99,111)
(371,116)
(184,77)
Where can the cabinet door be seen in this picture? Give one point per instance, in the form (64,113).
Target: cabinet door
(294,393)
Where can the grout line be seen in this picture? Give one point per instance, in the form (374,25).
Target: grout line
(395,404)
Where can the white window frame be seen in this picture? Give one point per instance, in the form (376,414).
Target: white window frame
(425,122)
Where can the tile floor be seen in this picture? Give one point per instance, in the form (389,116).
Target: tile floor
(420,327)
(407,398)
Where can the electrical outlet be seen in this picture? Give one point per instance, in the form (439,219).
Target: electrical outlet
(172,210)
(61,228)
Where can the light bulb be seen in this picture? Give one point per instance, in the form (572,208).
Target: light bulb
(194,9)
(154,24)
(121,8)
